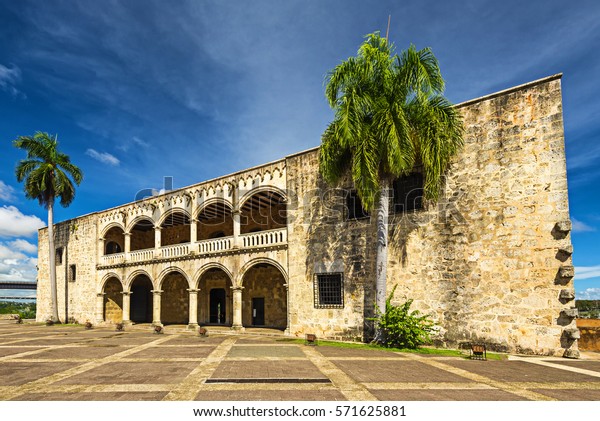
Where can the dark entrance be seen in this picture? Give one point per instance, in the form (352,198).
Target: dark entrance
(217,306)
(141,300)
(258,311)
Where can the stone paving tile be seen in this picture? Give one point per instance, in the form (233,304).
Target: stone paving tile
(586,365)
(267,370)
(195,340)
(571,395)
(270,395)
(97,396)
(174,352)
(129,373)
(16,350)
(520,371)
(125,340)
(17,373)
(330,352)
(445,395)
(53,341)
(395,371)
(267,351)
(83,352)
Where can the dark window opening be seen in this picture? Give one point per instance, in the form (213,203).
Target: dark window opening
(72,273)
(217,234)
(59,255)
(112,248)
(329,290)
(408,193)
(354,206)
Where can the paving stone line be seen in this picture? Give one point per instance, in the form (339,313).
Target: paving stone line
(560,366)
(265,358)
(43,382)
(428,386)
(194,382)
(505,386)
(351,390)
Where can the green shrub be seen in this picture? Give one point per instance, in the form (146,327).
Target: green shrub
(401,328)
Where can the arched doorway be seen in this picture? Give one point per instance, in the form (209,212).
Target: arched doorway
(215,305)
(175,228)
(141,300)
(114,241)
(142,235)
(174,306)
(264,210)
(113,301)
(264,297)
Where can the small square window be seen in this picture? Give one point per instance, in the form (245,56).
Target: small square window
(408,192)
(329,290)
(72,273)
(59,256)
(355,206)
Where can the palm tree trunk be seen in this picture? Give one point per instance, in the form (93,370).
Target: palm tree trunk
(52,263)
(383,208)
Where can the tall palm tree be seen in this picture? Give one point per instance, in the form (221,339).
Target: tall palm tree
(47,174)
(389,114)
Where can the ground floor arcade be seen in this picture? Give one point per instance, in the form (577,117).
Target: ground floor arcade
(257,299)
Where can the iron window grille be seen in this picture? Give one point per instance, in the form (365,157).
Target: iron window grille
(329,290)
(72,273)
(59,256)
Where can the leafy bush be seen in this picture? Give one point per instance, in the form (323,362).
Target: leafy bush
(401,328)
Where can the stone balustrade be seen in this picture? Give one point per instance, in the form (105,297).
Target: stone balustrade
(264,238)
(214,245)
(113,259)
(141,255)
(176,250)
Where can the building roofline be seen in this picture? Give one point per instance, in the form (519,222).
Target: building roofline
(509,90)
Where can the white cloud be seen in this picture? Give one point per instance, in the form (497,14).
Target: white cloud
(9,78)
(587,272)
(18,269)
(579,226)
(6,192)
(9,256)
(135,141)
(14,224)
(23,245)
(103,157)
(588,294)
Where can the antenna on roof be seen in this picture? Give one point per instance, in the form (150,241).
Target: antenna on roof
(387,33)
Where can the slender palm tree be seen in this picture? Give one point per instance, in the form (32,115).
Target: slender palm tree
(389,114)
(48,174)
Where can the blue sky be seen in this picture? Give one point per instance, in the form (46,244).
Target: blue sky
(138,90)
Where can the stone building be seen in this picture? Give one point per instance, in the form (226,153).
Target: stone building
(275,246)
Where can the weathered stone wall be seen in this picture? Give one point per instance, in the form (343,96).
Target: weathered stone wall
(141,240)
(175,234)
(207,228)
(76,299)
(175,301)
(113,301)
(214,279)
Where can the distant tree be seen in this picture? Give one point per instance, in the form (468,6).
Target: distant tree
(389,114)
(48,174)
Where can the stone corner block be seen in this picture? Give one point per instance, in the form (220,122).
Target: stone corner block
(571,353)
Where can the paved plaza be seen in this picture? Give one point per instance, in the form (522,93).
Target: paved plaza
(70,363)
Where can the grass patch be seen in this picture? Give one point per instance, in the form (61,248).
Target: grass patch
(423,350)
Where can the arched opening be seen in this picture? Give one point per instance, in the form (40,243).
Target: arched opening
(141,300)
(264,297)
(216,221)
(265,210)
(113,301)
(215,301)
(175,229)
(142,235)
(114,240)
(174,306)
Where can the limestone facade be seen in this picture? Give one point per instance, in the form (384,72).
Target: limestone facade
(273,245)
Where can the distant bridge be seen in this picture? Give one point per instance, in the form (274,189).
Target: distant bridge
(16,298)
(17,285)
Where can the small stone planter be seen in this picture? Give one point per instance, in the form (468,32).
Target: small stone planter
(49,322)
(119,327)
(158,330)
(202,332)
(88,325)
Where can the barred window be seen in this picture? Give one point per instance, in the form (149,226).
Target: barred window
(354,206)
(329,290)
(72,273)
(408,192)
(59,256)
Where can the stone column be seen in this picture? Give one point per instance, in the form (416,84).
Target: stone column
(127,249)
(100,249)
(237,309)
(193,323)
(100,307)
(193,233)
(287,309)
(236,216)
(156,297)
(126,307)
(157,241)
